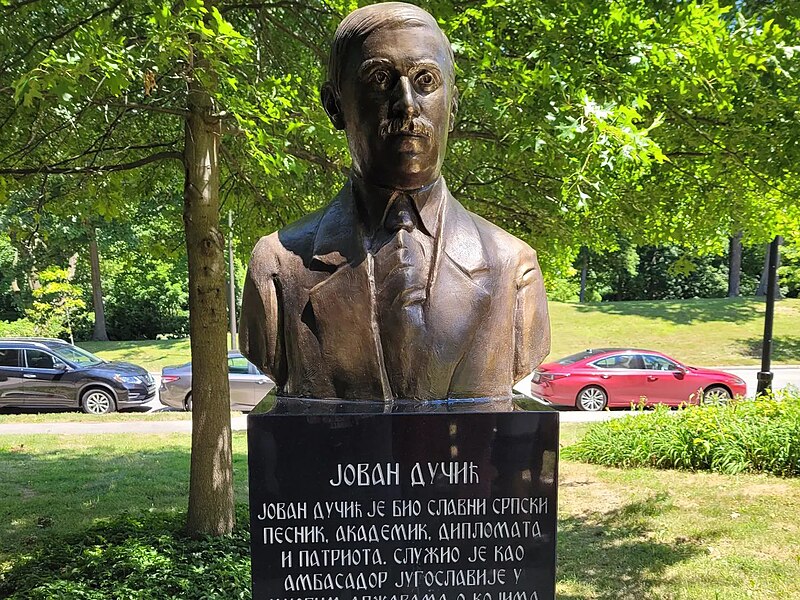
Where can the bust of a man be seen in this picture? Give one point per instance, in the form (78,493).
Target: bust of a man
(393,290)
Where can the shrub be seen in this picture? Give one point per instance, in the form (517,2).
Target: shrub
(744,435)
(18,328)
(142,557)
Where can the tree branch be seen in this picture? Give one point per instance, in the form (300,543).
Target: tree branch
(95,152)
(137,106)
(322,161)
(473,134)
(54,170)
(62,34)
(322,56)
(18,5)
(725,149)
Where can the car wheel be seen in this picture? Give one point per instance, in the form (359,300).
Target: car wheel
(592,398)
(187,404)
(716,394)
(97,402)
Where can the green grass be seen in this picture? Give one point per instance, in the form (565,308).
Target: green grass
(117,417)
(153,355)
(700,332)
(636,534)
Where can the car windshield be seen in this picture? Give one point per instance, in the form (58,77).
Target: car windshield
(75,355)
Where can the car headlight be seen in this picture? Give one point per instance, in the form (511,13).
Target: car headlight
(128,379)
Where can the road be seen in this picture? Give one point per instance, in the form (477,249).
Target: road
(784,376)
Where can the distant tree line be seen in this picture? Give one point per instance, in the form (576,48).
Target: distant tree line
(671,273)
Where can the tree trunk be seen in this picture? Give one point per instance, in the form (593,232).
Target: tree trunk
(100,333)
(584,269)
(761,291)
(735,265)
(211,504)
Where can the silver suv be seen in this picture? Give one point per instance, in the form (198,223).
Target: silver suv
(51,373)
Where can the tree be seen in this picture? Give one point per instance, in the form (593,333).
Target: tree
(75,117)
(56,304)
(100,333)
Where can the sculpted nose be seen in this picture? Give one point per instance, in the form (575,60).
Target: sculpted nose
(406,102)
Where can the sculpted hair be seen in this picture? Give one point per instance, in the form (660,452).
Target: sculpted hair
(388,15)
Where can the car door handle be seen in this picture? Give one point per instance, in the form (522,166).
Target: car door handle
(604,376)
(29,376)
(651,378)
(262,381)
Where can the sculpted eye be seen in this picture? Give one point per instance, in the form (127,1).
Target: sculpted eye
(381,78)
(426,80)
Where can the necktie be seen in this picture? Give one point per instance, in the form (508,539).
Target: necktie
(402,257)
(400,215)
(402,264)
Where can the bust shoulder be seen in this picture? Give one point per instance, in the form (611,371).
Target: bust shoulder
(292,242)
(502,244)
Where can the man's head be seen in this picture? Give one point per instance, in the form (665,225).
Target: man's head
(391,87)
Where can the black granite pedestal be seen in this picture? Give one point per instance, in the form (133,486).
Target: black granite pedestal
(444,501)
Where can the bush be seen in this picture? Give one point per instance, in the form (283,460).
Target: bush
(18,328)
(745,435)
(144,557)
(146,300)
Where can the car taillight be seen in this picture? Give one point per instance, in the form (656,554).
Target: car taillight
(169,378)
(553,376)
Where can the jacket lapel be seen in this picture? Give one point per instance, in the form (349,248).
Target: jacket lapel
(458,301)
(343,306)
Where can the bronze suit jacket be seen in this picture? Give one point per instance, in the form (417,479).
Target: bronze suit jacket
(309,315)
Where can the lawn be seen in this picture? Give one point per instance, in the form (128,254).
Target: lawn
(153,355)
(635,534)
(714,332)
(11,416)
(703,332)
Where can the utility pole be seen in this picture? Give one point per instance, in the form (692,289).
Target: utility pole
(231,285)
(765,375)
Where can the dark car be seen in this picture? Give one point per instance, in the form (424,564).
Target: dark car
(606,377)
(51,373)
(248,384)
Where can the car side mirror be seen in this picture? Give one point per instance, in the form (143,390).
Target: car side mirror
(60,366)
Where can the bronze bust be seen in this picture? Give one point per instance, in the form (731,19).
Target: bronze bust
(393,290)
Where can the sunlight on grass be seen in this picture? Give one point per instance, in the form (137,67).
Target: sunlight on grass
(703,332)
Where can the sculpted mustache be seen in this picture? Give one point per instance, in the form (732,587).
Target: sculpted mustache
(416,126)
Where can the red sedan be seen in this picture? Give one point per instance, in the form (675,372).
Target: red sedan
(595,379)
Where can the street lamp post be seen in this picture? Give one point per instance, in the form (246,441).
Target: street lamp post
(765,375)
(231,285)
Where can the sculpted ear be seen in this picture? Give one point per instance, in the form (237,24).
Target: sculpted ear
(453,108)
(330,102)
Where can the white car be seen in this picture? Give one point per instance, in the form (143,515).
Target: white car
(248,384)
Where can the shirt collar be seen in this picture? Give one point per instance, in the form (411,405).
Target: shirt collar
(372,201)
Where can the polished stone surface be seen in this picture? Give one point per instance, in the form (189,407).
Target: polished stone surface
(468,503)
